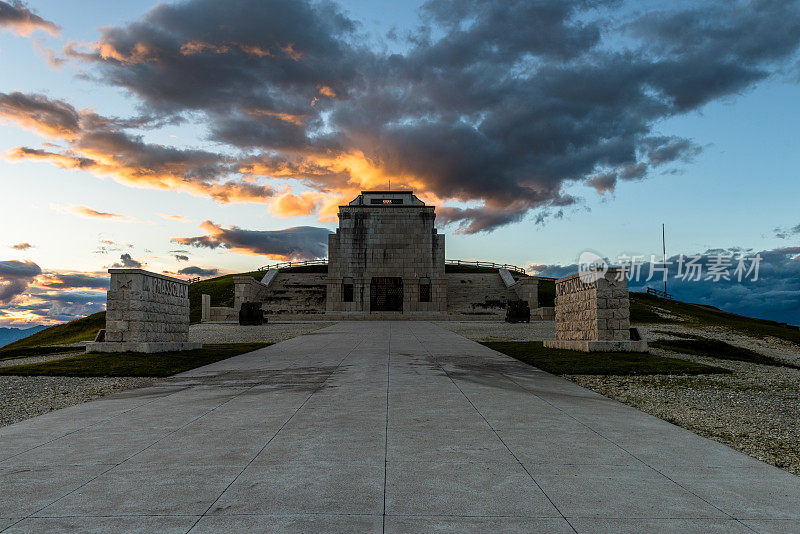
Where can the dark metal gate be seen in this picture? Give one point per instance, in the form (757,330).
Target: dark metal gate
(386,294)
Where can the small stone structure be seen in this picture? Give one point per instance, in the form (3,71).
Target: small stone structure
(145,312)
(594,316)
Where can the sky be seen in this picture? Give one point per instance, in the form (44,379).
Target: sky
(199,138)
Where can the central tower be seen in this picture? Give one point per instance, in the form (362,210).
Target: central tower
(386,257)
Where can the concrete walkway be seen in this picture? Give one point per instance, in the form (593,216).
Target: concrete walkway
(370,427)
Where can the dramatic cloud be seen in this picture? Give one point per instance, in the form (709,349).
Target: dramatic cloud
(71,280)
(16,17)
(775,295)
(181,257)
(100,145)
(199,271)
(496,108)
(127,262)
(299,243)
(15,277)
(22,246)
(51,118)
(52,297)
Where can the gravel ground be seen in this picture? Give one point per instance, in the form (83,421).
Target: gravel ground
(267,333)
(23,397)
(755,410)
(36,359)
(502,331)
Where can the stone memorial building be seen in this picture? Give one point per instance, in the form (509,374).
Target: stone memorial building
(386,260)
(386,256)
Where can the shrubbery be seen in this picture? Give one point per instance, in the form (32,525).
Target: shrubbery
(250,314)
(518,311)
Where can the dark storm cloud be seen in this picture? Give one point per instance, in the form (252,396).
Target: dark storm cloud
(499,104)
(270,53)
(198,271)
(53,118)
(100,145)
(298,243)
(15,277)
(181,257)
(17,17)
(775,295)
(73,280)
(127,262)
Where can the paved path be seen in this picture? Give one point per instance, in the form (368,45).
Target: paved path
(377,426)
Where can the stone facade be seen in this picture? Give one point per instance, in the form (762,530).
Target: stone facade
(385,261)
(145,312)
(594,316)
(386,257)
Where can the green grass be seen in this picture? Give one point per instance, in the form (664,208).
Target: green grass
(695,315)
(468,269)
(569,362)
(306,269)
(714,348)
(220,289)
(84,329)
(132,363)
(25,352)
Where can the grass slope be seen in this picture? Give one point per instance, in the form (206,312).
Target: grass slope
(132,363)
(220,289)
(644,307)
(713,348)
(569,362)
(84,329)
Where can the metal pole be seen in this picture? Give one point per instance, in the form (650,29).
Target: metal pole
(664,248)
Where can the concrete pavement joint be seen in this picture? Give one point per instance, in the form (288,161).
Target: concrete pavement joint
(628,452)
(386,440)
(130,457)
(319,386)
(493,430)
(93,424)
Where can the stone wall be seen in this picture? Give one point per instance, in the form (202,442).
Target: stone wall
(482,295)
(146,312)
(296,294)
(593,315)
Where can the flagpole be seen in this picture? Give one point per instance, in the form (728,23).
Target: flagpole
(664,249)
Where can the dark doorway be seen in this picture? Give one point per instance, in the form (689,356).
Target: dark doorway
(386,294)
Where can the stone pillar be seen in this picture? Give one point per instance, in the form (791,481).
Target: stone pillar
(527,289)
(205,314)
(592,313)
(145,312)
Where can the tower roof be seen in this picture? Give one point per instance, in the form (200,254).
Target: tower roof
(387,198)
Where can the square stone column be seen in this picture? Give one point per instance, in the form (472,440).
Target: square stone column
(145,312)
(592,313)
(205,308)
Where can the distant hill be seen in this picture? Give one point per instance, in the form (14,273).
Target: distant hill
(645,309)
(9,335)
(84,329)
